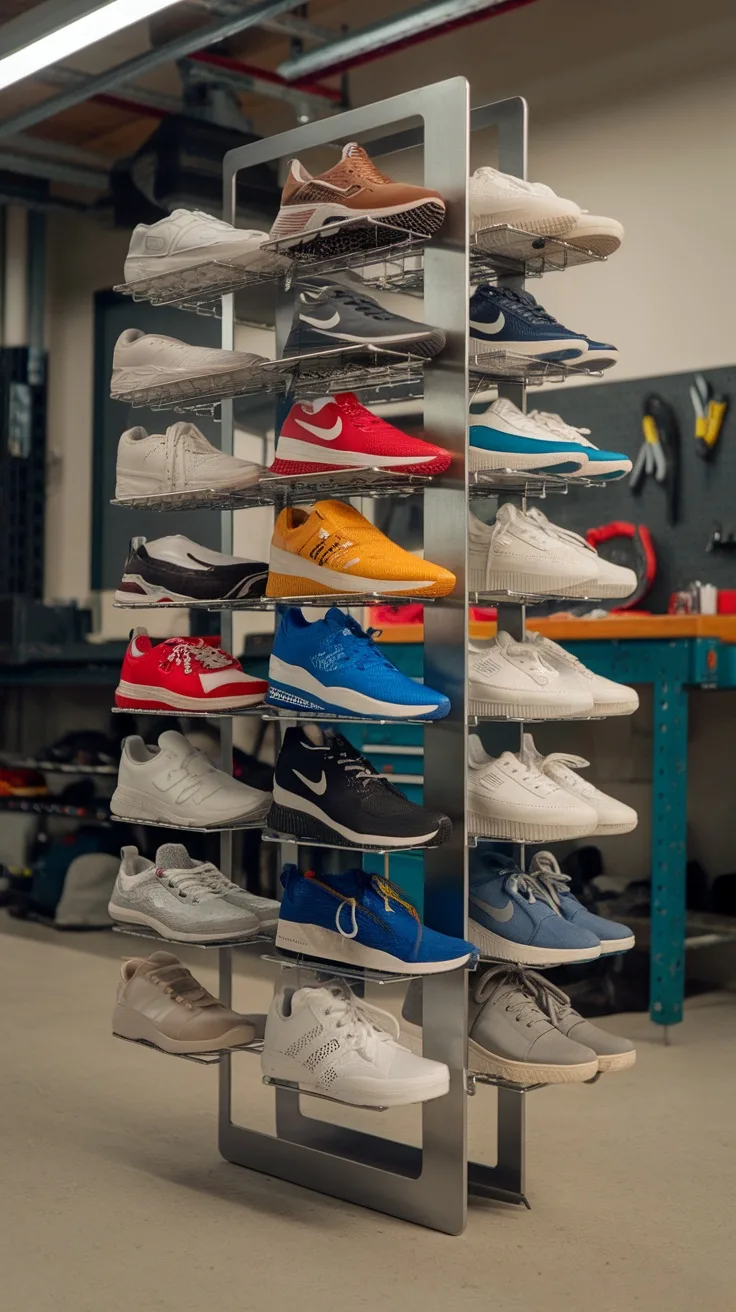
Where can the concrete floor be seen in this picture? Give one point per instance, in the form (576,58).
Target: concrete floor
(115,1198)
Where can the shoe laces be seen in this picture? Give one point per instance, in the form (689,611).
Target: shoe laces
(549,881)
(565,432)
(524,305)
(181,985)
(538,782)
(364,304)
(514,989)
(555,530)
(359,646)
(204,876)
(363,1027)
(385,890)
(192,654)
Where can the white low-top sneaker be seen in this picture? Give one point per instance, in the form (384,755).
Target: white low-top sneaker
(161,1003)
(510,678)
(179,460)
(497,197)
(611,580)
(186,238)
(592,232)
(609,697)
(176,784)
(614,817)
(510,799)
(503,437)
(325,1040)
(513,555)
(597,464)
(143,364)
(181,899)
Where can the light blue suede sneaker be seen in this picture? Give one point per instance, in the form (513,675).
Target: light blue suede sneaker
(511,920)
(549,881)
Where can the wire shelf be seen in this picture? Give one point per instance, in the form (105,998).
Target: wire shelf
(323,599)
(342,844)
(209,498)
(477,1077)
(505,249)
(506,366)
(201,286)
(370,481)
(273,714)
(243,941)
(295,961)
(197,829)
(496,595)
(323,1097)
(201,1059)
(476,718)
(345,244)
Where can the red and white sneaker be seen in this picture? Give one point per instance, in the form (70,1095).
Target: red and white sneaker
(337,432)
(183,674)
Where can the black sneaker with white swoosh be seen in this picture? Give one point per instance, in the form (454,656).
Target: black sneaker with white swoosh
(327,792)
(328,315)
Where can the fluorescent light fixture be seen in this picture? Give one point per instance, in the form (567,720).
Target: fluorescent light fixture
(51,32)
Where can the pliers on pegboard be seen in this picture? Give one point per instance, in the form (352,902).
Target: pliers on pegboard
(710,412)
(659,454)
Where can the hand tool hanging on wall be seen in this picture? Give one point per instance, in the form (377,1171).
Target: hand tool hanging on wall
(659,454)
(710,412)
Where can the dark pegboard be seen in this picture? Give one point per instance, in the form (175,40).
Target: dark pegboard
(613,411)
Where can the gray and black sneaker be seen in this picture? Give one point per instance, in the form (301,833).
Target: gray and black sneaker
(328,315)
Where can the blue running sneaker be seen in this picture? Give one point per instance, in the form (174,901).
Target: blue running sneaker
(503,437)
(512,321)
(549,881)
(332,665)
(511,920)
(362,920)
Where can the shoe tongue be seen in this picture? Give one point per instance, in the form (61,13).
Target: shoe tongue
(337,620)
(509,514)
(174,856)
(183,429)
(476,751)
(175,743)
(360,162)
(529,753)
(504,639)
(502,406)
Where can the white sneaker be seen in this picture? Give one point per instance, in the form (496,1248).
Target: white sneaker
(611,581)
(597,464)
(145,363)
(609,697)
(497,197)
(509,799)
(614,817)
(509,678)
(514,555)
(186,238)
(160,1002)
(503,437)
(596,233)
(175,784)
(265,909)
(181,460)
(328,1041)
(180,898)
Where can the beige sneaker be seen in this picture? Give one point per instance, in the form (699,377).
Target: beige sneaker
(161,1002)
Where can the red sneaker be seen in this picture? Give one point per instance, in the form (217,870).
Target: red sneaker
(337,432)
(183,674)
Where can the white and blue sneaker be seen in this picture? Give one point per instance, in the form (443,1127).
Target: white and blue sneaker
(602,466)
(332,665)
(512,321)
(511,919)
(551,883)
(503,437)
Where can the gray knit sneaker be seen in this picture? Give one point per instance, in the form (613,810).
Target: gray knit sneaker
(614,1053)
(265,908)
(185,903)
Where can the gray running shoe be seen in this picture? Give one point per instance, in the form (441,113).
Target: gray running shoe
(186,903)
(265,908)
(614,1053)
(328,315)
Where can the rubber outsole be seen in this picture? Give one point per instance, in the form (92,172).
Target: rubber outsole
(524,831)
(616,1061)
(423,220)
(611,946)
(544,585)
(329,945)
(293,823)
(495,948)
(129,804)
(545,224)
(549,710)
(126,916)
(155,699)
(130,1024)
(484,1062)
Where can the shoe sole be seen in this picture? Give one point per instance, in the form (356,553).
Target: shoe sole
(495,948)
(512,580)
(153,488)
(292,575)
(483,1062)
(329,945)
(559,350)
(547,462)
(291,685)
(131,805)
(421,217)
(361,1093)
(602,244)
(518,710)
(626,828)
(524,831)
(616,1061)
(425,343)
(136,591)
(546,224)
(611,946)
(132,697)
(297,817)
(125,916)
(605,710)
(253,259)
(153,386)
(302,457)
(129,1024)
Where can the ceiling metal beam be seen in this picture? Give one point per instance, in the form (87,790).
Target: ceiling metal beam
(264,82)
(354,46)
(293,25)
(33,166)
(167,53)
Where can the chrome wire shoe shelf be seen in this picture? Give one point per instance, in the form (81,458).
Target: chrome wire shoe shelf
(503,249)
(489,482)
(347,244)
(322,599)
(508,367)
(50,806)
(201,287)
(273,715)
(286,490)
(494,596)
(214,1058)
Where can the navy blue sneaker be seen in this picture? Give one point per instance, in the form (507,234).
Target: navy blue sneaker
(512,321)
(553,884)
(333,665)
(510,920)
(362,920)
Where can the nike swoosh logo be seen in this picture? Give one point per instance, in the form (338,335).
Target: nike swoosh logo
(327,434)
(496,327)
(496,913)
(321,323)
(318,786)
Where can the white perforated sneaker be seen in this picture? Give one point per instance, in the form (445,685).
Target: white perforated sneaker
(614,817)
(186,238)
(514,555)
(179,460)
(509,678)
(611,580)
(327,1041)
(609,697)
(510,799)
(497,197)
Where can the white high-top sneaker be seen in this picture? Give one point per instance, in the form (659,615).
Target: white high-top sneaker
(609,697)
(497,197)
(186,238)
(144,363)
(509,799)
(611,580)
(614,817)
(508,678)
(181,460)
(515,556)
(327,1041)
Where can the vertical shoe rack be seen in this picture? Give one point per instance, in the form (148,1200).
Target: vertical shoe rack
(427,1184)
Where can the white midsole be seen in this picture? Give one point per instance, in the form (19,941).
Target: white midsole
(294,802)
(496,578)
(153,592)
(290,448)
(377,342)
(132,804)
(481,458)
(526,1073)
(348,698)
(317,215)
(139,691)
(126,916)
(485,700)
(356,1090)
(152,375)
(132,1024)
(497,948)
(315,941)
(611,945)
(131,485)
(288,562)
(241,253)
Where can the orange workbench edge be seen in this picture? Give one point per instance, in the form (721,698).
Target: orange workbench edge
(616,626)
